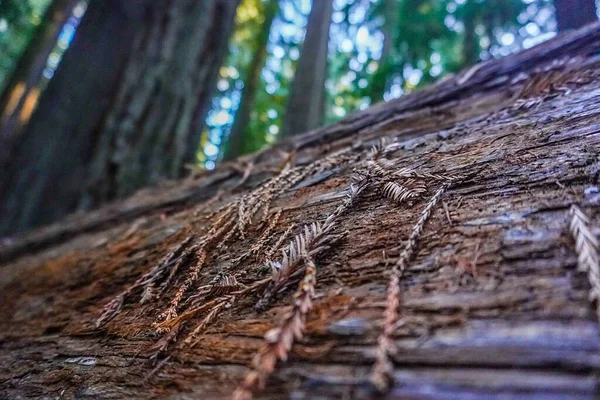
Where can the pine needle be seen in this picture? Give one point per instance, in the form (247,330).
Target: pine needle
(586,246)
(383,369)
(279,341)
(313,240)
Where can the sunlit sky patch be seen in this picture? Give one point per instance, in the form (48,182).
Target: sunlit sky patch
(359,41)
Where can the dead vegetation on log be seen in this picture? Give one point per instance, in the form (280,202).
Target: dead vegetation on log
(586,245)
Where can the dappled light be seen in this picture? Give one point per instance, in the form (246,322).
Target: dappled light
(369,61)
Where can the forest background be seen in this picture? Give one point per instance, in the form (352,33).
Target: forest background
(107,97)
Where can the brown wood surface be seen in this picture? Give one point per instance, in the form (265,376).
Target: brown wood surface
(492,303)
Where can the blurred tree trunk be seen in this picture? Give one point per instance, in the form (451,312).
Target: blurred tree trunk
(27,74)
(305,106)
(391,15)
(235,142)
(572,14)
(470,45)
(125,108)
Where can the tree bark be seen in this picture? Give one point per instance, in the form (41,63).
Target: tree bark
(471,47)
(391,15)
(235,141)
(492,303)
(573,14)
(28,72)
(305,106)
(121,116)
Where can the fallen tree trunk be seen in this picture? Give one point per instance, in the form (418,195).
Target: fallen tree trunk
(168,294)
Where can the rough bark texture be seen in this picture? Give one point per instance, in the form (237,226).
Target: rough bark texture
(47,167)
(492,305)
(573,14)
(122,116)
(156,123)
(305,106)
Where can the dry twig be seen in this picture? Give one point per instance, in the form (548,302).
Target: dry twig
(279,341)
(382,372)
(314,239)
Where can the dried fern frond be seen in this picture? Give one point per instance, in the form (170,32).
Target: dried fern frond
(168,324)
(162,345)
(184,258)
(279,341)
(282,238)
(192,276)
(112,309)
(263,240)
(302,243)
(236,216)
(224,284)
(220,231)
(147,281)
(383,369)
(210,317)
(334,160)
(260,198)
(586,245)
(313,239)
(378,149)
(377,169)
(387,169)
(400,193)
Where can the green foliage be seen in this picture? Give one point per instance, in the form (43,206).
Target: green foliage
(18,22)
(427,39)
(378,49)
(269,105)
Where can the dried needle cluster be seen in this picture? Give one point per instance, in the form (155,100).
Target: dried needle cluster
(279,341)
(399,184)
(314,239)
(146,281)
(227,223)
(586,246)
(382,373)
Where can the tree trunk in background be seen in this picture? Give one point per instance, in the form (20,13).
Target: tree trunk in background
(125,109)
(572,14)
(470,50)
(379,82)
(492,304)
(235,141)
(22,87)
(305,106)
(48,165)
(154,127)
